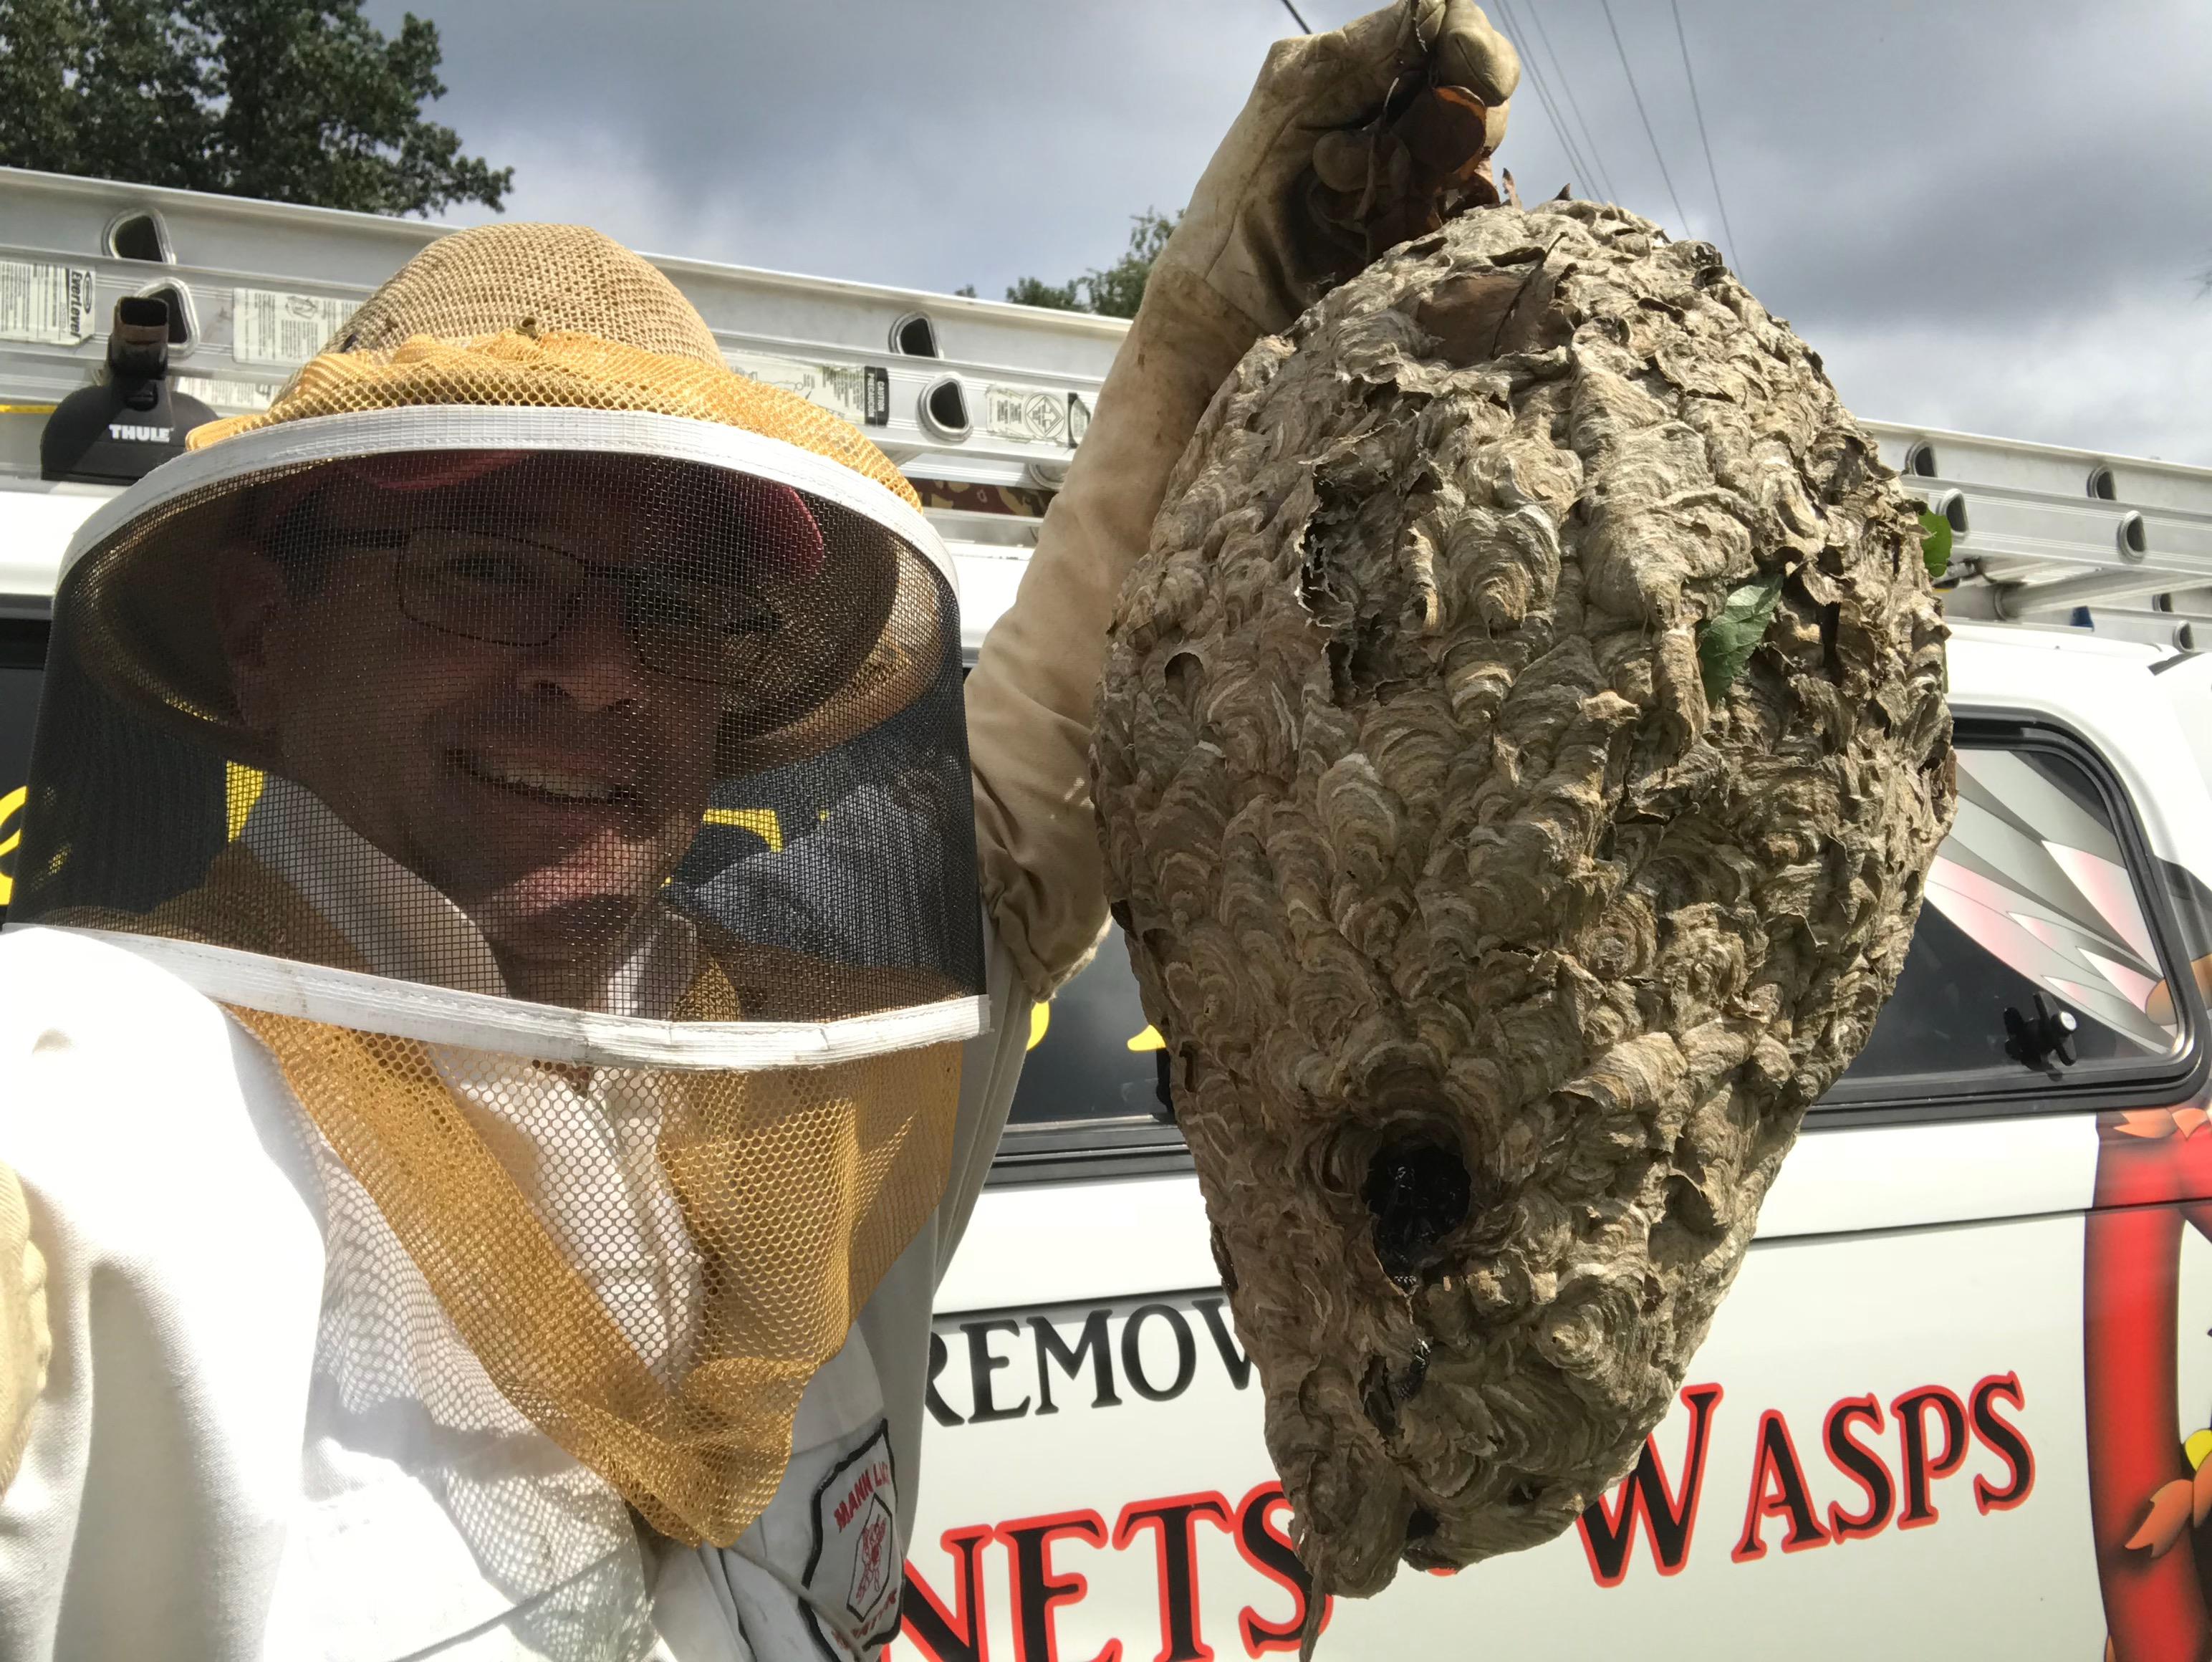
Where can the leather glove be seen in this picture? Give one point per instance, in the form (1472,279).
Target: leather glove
(26,1343)
(1349,142)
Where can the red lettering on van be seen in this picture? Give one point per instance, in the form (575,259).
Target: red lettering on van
(1173,1521)
(1038,1590)
(1935,1428)
(2005,1440)
(1670,1517)
(1778,1490)
(961,1634)
(1268,1549)
(1862,1464)
(1922,1467)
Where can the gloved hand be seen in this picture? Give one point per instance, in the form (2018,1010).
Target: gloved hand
(1350,143)
(26,1343)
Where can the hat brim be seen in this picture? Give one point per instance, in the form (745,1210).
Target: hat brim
(867,639)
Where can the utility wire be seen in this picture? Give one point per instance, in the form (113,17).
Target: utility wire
(1559,127)
(1501,12)
(1712,171)
(1304,28)
(1604,179)
(1635,93)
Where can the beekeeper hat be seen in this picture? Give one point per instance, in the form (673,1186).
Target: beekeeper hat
(547,337)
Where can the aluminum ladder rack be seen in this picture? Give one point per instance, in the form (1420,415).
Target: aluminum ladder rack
(981,404)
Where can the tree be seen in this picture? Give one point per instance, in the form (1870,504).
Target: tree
(1053,297)
(1118,291)
(292,100)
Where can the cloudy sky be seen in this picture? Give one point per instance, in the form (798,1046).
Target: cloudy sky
(1986,213)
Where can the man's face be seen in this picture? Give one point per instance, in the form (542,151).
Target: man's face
(547,788)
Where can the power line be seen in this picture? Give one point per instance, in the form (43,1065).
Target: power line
(1304,28)
(1712,171)
(1560,128)
(1552,106)
(1635,93)
(1604,179)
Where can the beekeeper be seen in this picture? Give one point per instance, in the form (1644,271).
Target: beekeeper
(460,1196)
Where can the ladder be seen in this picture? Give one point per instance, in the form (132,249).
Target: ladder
(981,404)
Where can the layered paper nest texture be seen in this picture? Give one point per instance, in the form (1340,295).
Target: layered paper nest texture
(1502,921)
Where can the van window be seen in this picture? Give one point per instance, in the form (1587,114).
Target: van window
(1092,1055)
(2038,890)
(2033,894)
(1094,1085)
(23,660)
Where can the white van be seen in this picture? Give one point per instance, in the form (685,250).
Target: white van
(1959,1401)
(1953,1407)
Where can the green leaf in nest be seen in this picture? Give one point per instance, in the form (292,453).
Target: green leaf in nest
(1935,542)
(1726,640)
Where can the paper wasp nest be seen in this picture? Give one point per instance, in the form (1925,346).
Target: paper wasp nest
(1518,759)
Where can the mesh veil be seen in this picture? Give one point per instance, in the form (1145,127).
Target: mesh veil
(585,829)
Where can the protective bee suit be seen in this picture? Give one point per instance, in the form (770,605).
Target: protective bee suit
(438,699)
(460,1194)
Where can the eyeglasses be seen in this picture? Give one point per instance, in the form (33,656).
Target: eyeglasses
(507,592)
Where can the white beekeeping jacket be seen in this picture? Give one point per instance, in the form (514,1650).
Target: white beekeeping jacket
(507,1027)
(212,1498)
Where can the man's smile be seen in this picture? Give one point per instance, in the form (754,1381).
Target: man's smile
(568,784)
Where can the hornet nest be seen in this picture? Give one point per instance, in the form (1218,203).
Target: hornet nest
(1518,761)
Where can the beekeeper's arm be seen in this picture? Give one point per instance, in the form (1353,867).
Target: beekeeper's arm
(1316,178)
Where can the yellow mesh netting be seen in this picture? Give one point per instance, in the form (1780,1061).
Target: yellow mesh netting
(795,1191)
(562,371)
(536,278)
(648,1263)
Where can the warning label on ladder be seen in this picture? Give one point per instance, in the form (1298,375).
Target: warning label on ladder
(270,326)
(1026,412)
(225,394)
(1037,415)
(49,305)
(861,392)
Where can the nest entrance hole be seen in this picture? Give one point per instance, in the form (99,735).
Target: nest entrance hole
(1417,1190)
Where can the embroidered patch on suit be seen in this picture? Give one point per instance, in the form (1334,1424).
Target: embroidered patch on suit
(855,1566)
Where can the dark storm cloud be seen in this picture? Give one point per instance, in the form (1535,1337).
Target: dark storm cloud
(1986,215)
(928,144)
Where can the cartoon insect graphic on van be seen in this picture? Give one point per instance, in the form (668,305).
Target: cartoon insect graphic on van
(2150,1487)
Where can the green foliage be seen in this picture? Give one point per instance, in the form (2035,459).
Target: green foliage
(292,100)
(42,45)
(1935,543)
(1116,292)
(1030,291)
(1726,640)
